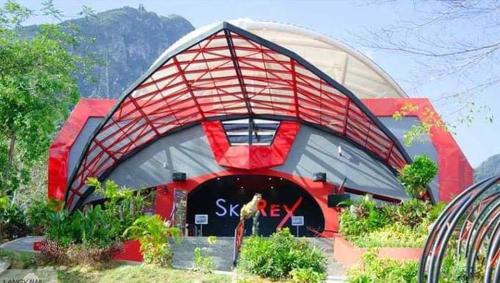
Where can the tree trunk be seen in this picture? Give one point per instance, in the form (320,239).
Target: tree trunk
(12,147)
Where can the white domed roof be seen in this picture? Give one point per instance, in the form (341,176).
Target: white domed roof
(347,66)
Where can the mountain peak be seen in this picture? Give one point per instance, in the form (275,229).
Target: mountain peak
(489,167)
(127,40)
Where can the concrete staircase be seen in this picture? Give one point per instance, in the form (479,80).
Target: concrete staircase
(222,253)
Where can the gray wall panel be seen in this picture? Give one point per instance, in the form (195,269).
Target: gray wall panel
(421,146)
(316,151)
(185,151)
(81,140)
(313,151)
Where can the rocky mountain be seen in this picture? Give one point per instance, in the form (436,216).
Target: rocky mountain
(127,41)
(488,168)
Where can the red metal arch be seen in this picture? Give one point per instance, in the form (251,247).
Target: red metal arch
(228,72)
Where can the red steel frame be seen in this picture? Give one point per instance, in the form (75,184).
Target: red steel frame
(60,148)
(229,73)
(455,173)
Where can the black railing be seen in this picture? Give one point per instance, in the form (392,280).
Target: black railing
(468,229)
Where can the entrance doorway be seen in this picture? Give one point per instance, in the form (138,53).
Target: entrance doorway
(222,198)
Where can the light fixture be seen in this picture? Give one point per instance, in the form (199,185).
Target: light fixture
(179,176)
(339,150)
(319,177)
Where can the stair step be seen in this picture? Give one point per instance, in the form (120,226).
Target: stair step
(222,253)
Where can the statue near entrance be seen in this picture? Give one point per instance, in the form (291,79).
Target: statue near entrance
(251,210)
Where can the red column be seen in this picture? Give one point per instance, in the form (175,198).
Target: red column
(164,201)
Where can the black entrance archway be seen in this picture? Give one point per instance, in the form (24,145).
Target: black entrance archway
(221,199)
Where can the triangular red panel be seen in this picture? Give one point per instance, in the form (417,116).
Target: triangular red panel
(251,156)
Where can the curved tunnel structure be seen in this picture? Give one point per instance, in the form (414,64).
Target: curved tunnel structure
(469,230)
(244,99)
(224,73)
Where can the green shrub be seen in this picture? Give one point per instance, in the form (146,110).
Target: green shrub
(93,233)
(374,269)
(393,235)
(454,270)
(12,221)
(417,176)
(202,261)
(275,257)
(412,212)
(402,225)
(307,275)
(93,227)
(435,211)
(98,226)
(362,217)
(153,233)
(38,214)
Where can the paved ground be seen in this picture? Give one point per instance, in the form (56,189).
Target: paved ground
(4,264)
(22,244)
(221,251)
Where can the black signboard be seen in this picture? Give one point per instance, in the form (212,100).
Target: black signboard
(221,199)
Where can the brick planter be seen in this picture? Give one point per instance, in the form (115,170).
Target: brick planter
(131,251)
(348,255)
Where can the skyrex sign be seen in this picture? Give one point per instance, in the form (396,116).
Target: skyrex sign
(222,200)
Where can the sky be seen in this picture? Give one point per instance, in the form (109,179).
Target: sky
(349,22)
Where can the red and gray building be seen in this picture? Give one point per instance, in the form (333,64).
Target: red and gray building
(244,107)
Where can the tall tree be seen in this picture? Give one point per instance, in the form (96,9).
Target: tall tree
(37,88)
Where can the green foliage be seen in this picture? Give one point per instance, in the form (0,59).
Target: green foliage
(202,261)
(389,225)
(412,212)
(124,203)
(435,211)
(417,176)
(454,269)
(275,257)
(38,86)
(12,221)
(307,275)
(38,214)
(96,226)
(361,217)
(393,235)
(153,233)
(383,270)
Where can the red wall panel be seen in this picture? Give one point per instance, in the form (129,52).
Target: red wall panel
(455,173)
(61,146)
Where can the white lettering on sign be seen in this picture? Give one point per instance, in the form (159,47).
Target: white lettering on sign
(222,210)
(232,210)
(297,220)
(201,219)
(220,204)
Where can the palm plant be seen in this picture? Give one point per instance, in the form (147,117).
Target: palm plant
(153,233)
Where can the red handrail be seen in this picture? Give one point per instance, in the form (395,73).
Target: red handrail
(238,240)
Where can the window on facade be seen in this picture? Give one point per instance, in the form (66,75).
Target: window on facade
(250,131)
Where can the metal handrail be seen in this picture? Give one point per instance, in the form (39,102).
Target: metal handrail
(238,240)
